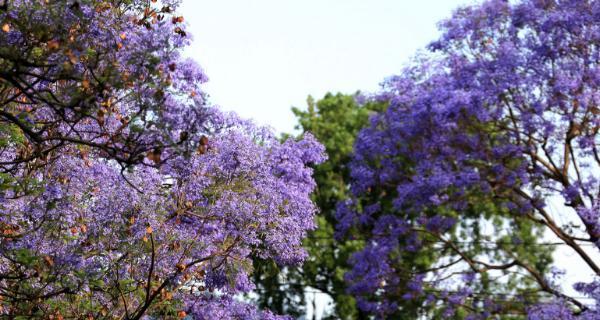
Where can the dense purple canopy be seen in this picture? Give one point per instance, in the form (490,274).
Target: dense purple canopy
(504,106)
(124,195)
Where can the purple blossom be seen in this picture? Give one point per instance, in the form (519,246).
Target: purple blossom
(500,118)
(123,193)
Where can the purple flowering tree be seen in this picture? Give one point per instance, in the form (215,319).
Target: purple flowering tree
(123,194)
(492,128)
(107,76)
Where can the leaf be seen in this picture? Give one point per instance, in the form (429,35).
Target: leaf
(53,44)
(25,257)
(37,52)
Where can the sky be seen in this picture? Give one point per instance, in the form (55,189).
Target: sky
(265,56)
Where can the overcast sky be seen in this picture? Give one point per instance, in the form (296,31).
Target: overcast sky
(264,56)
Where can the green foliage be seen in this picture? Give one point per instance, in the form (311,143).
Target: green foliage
(335,121)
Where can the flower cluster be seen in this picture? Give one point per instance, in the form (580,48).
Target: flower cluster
(191,225)
(106,75)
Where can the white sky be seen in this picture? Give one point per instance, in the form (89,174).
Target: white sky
(264,56)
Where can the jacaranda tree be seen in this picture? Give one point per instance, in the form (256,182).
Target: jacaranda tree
(123,194)
(500,118)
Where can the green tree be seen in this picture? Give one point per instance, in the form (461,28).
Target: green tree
(335,121)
